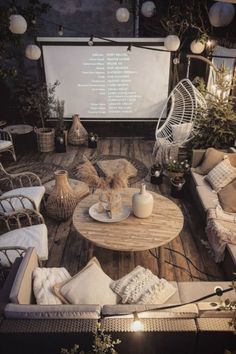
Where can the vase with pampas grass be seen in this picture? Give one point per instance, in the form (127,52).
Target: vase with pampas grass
(110,187)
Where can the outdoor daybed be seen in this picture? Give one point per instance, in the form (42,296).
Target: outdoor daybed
(31,328)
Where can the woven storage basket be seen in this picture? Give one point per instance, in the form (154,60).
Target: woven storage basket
(45,139)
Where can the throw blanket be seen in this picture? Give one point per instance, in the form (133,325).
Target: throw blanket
(220,230)
(110,167)
(163,150)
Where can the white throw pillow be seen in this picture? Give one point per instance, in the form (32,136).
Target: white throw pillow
(221,175)
(43,281)
(141,286)
(90,286)
(181,132)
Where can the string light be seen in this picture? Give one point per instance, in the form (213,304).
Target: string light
(129,48)
(136,325)
(60,31)
(90,42)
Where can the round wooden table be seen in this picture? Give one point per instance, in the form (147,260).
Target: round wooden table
(131,234)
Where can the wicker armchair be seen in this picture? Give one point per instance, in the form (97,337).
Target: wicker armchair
(20,230)
(24,191)
(6,143)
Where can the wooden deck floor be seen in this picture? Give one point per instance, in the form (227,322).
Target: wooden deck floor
(67,248)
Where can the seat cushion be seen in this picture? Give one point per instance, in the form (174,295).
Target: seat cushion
(4,144)
(34,193)
(199,180)
(189,291)
(31,236)
(208,198)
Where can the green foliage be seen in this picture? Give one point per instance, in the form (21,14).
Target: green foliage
(216,125)
(102,344)
(35,101)
(177,166)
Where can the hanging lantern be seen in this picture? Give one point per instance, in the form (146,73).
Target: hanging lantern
(148,8)
(18,24)
(221,14)
(122,14)
(172,42)
(32,52)
(197,47)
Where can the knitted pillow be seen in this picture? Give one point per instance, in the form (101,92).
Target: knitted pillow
(141,286)
(221,175)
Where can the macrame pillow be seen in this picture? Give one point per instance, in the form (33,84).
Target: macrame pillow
(221,175)
(141,286)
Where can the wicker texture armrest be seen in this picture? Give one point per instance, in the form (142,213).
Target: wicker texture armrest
(18,219)
(18,180)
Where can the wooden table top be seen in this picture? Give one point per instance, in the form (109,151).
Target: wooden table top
(132,234)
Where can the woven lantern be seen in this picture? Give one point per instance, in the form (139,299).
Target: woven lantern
(221,14)
(122,14)
(32,52)
(172,42)
(148,9)
(197,47)
(18,24)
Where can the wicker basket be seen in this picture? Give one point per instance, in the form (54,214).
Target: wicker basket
(45,139)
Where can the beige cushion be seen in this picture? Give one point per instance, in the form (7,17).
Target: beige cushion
(227,197)
(181,132)
(90,286)
(141,286)
(208,197)
(190,291)
(22,290)
(4,144)
(43,281)
(211,158)
(31,236)
(34,193)
(221,175)
(154,311)
(14,311)
(199,180)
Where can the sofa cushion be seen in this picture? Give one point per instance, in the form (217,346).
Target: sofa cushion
(90,286)
(181,132)
(190,291)
(208,198)
(22,290)
(43,281)
(154,311)
(211,158)
(221,175)
(141,286)
(4,144)
(31,236)
(34,193)
(227,197)
(199,180)
(14,311)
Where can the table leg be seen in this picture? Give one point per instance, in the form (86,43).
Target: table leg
(161,261)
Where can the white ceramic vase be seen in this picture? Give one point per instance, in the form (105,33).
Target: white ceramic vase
(142,203)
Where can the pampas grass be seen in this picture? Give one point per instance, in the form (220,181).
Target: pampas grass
(88,174)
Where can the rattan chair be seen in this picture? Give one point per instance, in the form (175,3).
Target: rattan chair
(20,191)
(6,143)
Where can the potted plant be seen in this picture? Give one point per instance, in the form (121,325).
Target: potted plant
(61,133)
(36,102)
(216,125)
(176,169)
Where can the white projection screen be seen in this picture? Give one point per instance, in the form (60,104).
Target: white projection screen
(107,82)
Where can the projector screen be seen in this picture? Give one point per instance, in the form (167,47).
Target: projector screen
(107,82)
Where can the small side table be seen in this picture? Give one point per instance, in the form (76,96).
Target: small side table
(23,137)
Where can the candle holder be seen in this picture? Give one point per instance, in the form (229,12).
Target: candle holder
(92,140)
(156,174)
